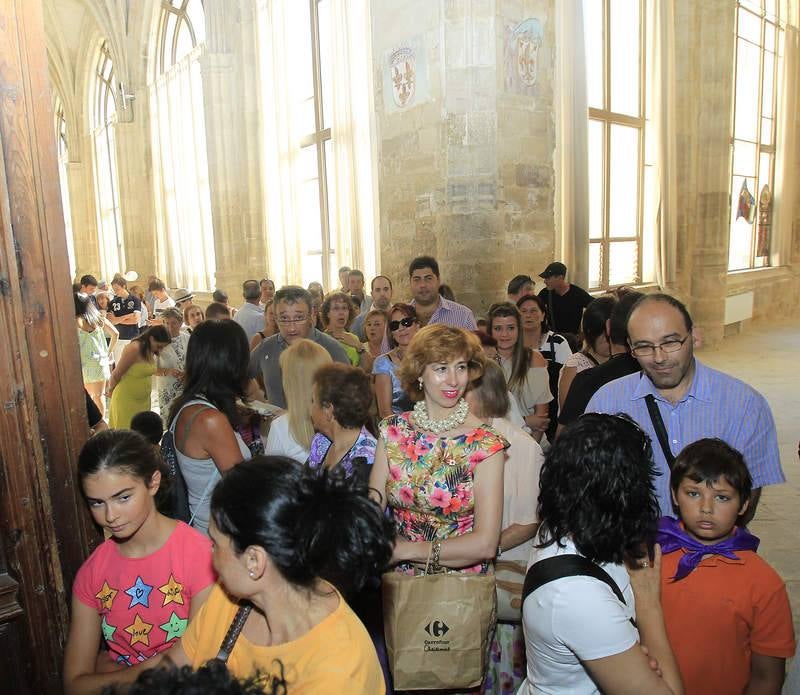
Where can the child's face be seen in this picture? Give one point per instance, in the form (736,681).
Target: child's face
(120,502)
(708,510)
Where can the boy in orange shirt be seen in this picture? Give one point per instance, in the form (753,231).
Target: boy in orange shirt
(726,610)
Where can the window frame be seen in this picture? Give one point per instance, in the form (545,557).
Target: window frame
(760,148)
(318,139)
(103,96)
(608,118)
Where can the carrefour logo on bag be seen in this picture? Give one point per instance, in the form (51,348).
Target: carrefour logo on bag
(438,629)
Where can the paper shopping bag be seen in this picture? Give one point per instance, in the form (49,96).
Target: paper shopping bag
(438,628)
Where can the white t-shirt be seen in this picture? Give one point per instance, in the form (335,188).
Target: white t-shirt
(281,443)
(158,305)
(570,620)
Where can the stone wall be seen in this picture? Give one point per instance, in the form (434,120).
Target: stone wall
(465,164)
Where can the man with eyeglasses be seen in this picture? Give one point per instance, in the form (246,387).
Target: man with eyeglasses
(293,315)
(686,400)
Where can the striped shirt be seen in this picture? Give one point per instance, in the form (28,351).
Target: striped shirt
(452,314)
(716,405)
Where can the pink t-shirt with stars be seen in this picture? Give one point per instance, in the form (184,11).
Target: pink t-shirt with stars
(144,602)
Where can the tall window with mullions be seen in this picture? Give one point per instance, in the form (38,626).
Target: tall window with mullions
(616,90)
(103,119)
(759,49)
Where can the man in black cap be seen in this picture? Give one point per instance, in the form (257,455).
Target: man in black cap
(565,302)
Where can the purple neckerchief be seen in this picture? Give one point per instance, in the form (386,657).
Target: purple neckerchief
(672,536)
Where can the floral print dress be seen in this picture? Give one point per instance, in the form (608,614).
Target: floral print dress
(430,487)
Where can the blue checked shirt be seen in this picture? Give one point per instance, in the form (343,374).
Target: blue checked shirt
(716,405)
(453,314)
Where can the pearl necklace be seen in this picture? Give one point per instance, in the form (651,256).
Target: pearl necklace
(457,419)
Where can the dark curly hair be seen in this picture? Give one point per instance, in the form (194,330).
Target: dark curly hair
(211,679)
(596,488)
(348,389)
(312,524)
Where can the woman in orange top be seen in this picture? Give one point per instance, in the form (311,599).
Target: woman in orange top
(276,550)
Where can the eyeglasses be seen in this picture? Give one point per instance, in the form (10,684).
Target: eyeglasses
(405,323)
(299,319)
(666,346)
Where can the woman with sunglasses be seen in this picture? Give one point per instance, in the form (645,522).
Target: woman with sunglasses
(402,327)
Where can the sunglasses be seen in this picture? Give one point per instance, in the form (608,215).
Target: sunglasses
(405,323)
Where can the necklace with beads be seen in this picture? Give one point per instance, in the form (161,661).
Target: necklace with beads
(423,420)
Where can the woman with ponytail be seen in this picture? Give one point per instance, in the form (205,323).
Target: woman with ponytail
(291,543)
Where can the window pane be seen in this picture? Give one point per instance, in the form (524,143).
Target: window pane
(185,44)
(301,76)
(325,57)
(764,173)
(769,36)
(197,18)
(625,58)
(750,26)
(308,205)
(595,262)
(624,185)
(766,131)
(333,263)
(623,262)
(595,179)
(747,71)
(593,28)
(741,230)
(744,159)
(770,7)
(767,90)
(312,269)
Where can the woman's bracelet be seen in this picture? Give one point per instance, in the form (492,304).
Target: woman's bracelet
(436,550)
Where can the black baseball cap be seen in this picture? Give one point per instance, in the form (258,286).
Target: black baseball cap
(553,269)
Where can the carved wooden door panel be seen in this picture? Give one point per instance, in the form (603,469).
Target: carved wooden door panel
(44,531)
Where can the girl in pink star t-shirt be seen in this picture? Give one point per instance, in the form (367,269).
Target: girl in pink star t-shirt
(138,589)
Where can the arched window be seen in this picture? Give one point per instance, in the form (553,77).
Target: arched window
(103,110)
(185,234)
(316,106)
(63,160)
(759,49)
(616,88)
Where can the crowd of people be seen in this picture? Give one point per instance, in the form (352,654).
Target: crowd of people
(306,443)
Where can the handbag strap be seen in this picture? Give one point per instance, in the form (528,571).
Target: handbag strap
(552,568)
(661,430)
(237,625)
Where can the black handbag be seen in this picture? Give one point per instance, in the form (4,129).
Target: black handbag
(178,500)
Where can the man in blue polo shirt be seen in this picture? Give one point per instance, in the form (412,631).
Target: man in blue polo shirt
(691,400)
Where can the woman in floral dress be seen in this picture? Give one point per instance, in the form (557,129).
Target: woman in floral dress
(439,467)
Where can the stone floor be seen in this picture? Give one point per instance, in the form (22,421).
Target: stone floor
(769,363)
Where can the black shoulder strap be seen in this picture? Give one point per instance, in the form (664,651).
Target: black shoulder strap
(552,568)
(235,629)
(661,431)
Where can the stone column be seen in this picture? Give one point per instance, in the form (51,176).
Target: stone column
(704,52)
(466,170)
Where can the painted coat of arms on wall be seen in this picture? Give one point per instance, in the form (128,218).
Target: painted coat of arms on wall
(405,76)
(521,60)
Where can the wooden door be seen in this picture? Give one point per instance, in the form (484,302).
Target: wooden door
(44,530)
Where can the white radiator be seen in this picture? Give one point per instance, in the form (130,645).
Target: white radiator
(738,307)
